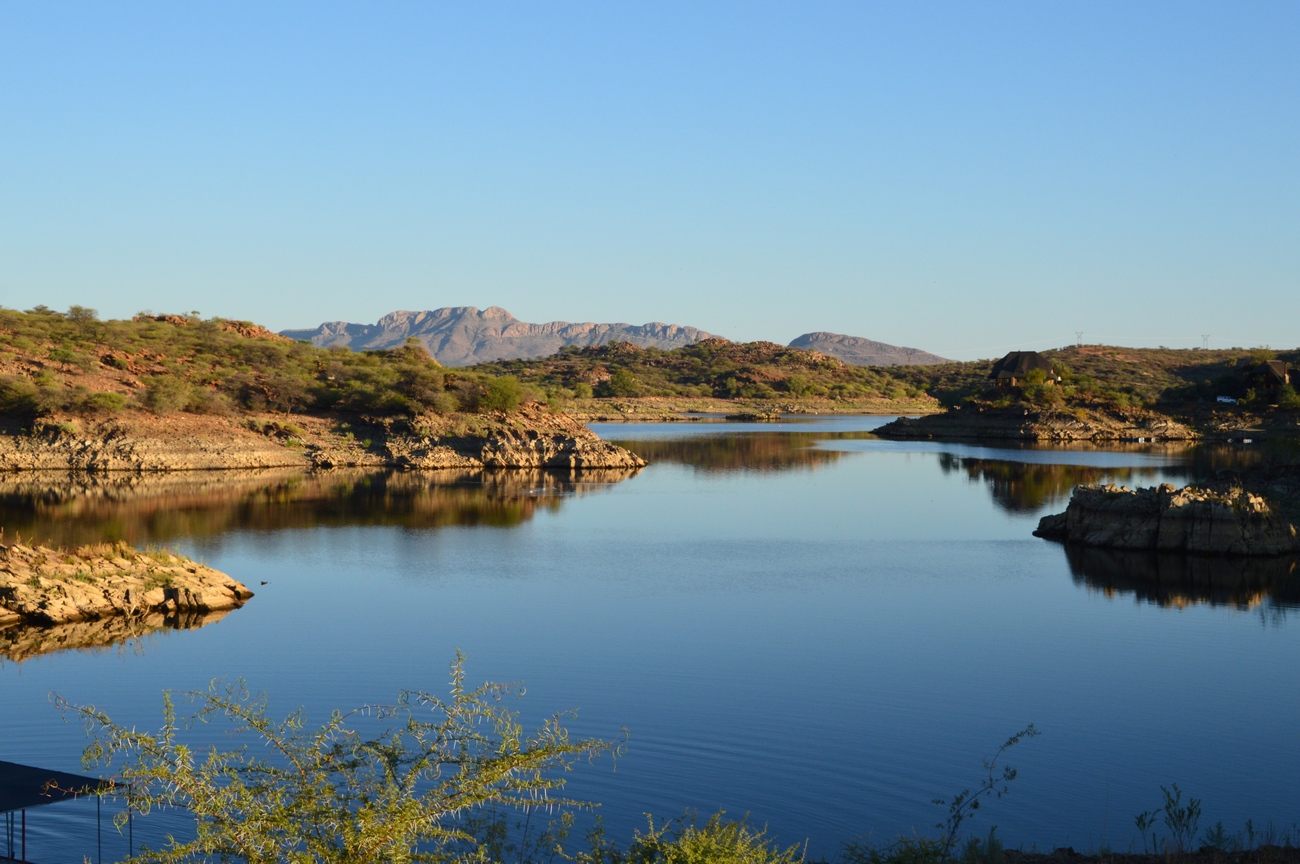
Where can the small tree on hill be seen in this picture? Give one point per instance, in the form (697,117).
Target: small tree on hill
(621,383)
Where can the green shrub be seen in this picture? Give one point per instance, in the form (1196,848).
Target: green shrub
(502,394)
(1043,395)
(904,850)
(82,315)
(17,395)
(444,402)
(206,400)
(286,391)
(422,384)
(622,383)
(582,390)
(334,794)
(797,385)
(164,394)
(718,841)
(70,358)
(104,403)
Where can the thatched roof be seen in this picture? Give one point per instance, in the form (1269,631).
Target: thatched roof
(1273,371)
(1018,364)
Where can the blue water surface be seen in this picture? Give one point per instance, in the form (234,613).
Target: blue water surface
(819,629)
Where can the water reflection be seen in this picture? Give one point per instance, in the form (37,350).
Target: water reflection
(68,510)
(1021,487)
(759,451)
(21,642)
(1026,487)
(1178,581)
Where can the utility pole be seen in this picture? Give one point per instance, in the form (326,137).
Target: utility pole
(1205,341)
(1078,338)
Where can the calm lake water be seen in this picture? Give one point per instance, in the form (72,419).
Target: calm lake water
(796,621)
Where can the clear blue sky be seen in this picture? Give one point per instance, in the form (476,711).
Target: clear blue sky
(961,177)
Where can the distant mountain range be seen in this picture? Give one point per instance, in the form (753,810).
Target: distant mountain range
(857,351)
(464,335)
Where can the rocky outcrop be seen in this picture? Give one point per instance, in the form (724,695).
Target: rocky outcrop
(857,351)
(464,335)
(247,329)
(47,586)
(532,437)
(180,442)
(1017,422)
(1168,519)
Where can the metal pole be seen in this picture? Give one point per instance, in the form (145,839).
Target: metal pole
(24,835)
(99,829)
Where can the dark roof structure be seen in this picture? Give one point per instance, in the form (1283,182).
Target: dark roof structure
(1018,364)
(1273,371)
(23,787)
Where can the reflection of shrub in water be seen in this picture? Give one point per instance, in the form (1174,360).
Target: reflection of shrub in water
(1025,487)
(71,510)
(1176,580)
(753,451)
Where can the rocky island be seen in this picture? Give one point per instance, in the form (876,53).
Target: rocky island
(1232,521)
(44,587)
(528,437)
(1022,422)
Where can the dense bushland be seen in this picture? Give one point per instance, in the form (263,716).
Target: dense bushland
(713,368)
(73,363)
(1138,377)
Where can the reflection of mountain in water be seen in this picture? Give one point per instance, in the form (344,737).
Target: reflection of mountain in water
(743,451)
(21,642)
(61,509)
(1025,487)
(1175,580)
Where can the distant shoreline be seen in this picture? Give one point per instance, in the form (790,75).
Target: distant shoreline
(673,409)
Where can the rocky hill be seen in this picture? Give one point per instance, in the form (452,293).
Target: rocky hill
(464,335)
(714,368)
(864,352)
(162,393)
